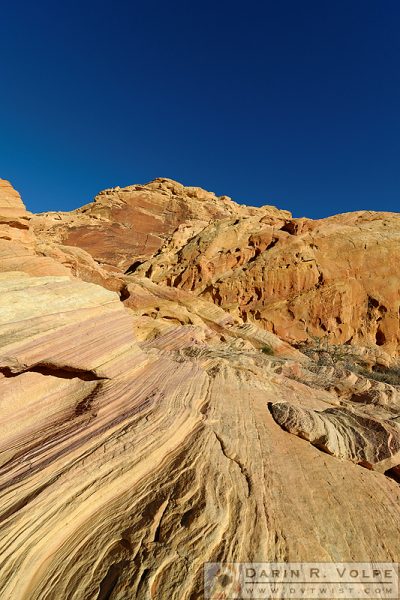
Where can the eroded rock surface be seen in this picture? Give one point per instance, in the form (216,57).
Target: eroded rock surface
(295,277)
(17,240)
(299,278)
(126,225)
(148,425)
(128,465)
(342,432)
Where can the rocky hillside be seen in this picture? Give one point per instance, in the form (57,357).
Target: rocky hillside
(123,225)
(184,379)
(298,278)
(335,277)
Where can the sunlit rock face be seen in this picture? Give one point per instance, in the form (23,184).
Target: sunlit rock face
(299,278)
(334,277)
(14,218)
(123,225)
(21,249)
(17,240)
(150,422)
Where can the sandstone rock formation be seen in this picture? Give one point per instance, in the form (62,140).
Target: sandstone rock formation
(22,250)
(149,426)
(296,277)
(17,241)
(13,214)
(124,225)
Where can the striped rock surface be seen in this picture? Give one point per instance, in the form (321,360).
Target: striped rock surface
(127,464)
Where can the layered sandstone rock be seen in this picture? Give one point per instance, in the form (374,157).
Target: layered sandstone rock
(162,303)
(14,218)
(126,466)
(146,432)
(17,240)
(80,264)
(22,250)
(299,278)
(343,433)
(125,225)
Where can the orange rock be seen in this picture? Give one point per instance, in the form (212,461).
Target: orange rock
(124,225)
(17,240)
(298,278)
(145,433)
(14,218)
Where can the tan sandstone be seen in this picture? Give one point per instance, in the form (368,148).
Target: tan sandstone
(154,426)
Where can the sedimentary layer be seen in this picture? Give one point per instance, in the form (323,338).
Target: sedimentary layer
(147,429)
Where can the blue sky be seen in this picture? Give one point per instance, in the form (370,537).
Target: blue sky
(293,103)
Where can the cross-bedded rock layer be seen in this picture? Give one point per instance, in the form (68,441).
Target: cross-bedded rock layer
(295,277)
(146,432)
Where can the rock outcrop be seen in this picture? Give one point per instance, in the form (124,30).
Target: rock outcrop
(17,240)
(150,425)
(125,225)
(128,465)
(298,278)
(22,250)
(14,218)
(343,433)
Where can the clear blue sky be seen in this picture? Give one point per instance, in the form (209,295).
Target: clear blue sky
(288,102)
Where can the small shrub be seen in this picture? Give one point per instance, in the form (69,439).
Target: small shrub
(390,375)
(267,350)
(340,356)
